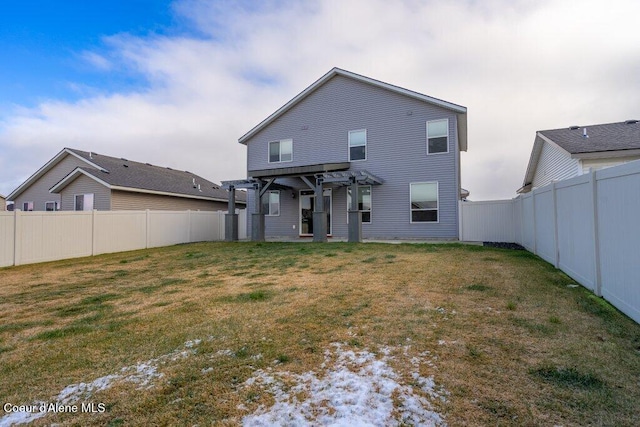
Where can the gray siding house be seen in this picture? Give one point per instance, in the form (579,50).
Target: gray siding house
(397,149)
(81,180)
(559,154)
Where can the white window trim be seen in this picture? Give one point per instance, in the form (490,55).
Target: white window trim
(280,151)
(437,183)
(370,210)
(269,203)
(366,143)
(56,206)
(27,210)
(427,128)
(84,194)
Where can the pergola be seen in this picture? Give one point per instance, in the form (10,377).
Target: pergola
(314,176)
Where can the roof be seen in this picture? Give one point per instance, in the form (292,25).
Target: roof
(601,141)
(600,138)
(126,175)
(458,109)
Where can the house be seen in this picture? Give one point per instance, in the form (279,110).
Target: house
(81,180)
(396,151)
(3,204)
(564,153)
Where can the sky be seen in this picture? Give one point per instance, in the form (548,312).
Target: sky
(176,83)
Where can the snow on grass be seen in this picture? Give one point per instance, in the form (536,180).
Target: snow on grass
(143,374)
(350,389)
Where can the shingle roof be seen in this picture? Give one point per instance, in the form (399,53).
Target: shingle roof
(605,137)
(119,172)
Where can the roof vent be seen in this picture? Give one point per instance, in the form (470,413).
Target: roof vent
(631,122)
(122,158)
(199,187)
(584,133)
(125,165)
(574,127)
(148,164)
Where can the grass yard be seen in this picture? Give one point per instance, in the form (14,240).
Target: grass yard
(232,333)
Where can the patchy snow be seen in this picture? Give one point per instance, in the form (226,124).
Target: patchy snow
(143,374)
(351,389)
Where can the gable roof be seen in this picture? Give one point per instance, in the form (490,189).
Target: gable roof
(602,141)
(458,109)
(126,175)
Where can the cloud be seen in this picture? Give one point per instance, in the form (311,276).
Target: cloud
(518,66)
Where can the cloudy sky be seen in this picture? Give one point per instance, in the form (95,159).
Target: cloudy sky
(177,83)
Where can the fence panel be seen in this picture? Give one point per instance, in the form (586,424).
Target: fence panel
(545,234)
(490,221)
(167,228)
(528,222)
(204,226)
(576,237)
(43,236)
(618,196)
(7,235)
(118,231)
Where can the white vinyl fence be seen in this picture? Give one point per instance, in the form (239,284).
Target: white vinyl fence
(586,226)
(30,237)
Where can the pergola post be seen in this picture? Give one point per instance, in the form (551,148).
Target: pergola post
(319,215)
(355,216)
(257,217)
(231,218)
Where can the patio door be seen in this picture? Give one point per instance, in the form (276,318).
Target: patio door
(307,205)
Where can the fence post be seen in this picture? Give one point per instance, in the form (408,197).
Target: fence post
(597,278)
(17,234)
(556,254)
(460,221)
(189,226)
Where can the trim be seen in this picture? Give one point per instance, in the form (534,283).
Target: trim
(427,129)
(370,202)
(340,72)
(437,183)
(280,141)
(298,170)
(269,202)
(366,142)
(324,191)
(613,154)
(48,166)
(76,172)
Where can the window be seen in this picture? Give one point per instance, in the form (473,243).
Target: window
(51,206)
(271,203)
(358,145)
(438,136)
(27,206)
(424,202)
(83,202)
(281,151)
(364,202)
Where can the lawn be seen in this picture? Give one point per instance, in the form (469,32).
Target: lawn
(254,333)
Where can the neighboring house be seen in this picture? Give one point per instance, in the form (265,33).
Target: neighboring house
(3,203)
(81,180)
(564,153)
(346,133)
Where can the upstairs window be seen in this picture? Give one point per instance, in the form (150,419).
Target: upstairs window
(358,145)
(83,202)
(364,202)
(281,151)
(438,136)
(424,202)
(27,206)
(271,203)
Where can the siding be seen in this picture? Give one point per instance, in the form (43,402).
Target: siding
(126,200)
(396,152)
(554,164)
(85,185)
(38,192)
(596,164)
